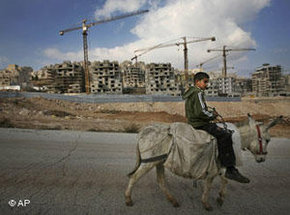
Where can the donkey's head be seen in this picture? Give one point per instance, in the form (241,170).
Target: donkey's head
(259,137)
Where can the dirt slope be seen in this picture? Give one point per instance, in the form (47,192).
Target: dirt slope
(40,113)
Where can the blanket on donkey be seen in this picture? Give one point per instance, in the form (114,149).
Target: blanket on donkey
(191,153)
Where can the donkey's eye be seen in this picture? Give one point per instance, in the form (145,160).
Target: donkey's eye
(267,140)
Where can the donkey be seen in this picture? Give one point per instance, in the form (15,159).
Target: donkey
(251,135)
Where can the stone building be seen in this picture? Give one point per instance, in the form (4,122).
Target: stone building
(160,80)
(105,77)
(15,75)
(230,86)
(67,77)
(267,80)
(226,86)
(243,86)
(213,88)
(134,76)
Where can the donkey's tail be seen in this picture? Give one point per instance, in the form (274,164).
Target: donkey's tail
(138,162)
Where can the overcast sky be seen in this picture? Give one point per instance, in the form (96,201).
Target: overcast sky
(29,31)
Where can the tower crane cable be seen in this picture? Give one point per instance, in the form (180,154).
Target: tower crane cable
(210,59)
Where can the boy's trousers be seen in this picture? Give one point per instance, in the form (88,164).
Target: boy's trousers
(226,153)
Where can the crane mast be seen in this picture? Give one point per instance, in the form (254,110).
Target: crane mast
(185,51)
(185,54)
(224,54)
(85,28)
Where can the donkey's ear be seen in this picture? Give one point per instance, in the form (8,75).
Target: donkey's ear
(252,122)
(274,122)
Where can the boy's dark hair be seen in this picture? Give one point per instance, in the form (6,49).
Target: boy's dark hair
(199,76)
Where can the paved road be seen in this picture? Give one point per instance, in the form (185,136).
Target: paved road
(65,172)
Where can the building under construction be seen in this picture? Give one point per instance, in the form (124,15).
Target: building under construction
(267,80)
(133,77)
(161,80)
(105,77)
(67,77)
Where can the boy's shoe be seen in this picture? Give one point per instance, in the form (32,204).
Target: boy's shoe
(233,174)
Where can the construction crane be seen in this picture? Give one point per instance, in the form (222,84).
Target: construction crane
(185,50)
(85,27)
(225,51)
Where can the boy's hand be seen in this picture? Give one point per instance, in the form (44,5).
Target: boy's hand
(215,113)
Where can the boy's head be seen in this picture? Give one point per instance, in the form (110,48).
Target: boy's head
(201,80)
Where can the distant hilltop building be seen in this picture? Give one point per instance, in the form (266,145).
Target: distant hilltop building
(15,75)
(267,80)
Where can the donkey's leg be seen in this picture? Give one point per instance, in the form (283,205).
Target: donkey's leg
(222,193)
(161,183)
(142,170)
(206,189)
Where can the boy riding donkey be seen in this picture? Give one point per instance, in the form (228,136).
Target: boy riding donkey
(200,117)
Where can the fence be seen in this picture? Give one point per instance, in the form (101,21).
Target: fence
(84,98)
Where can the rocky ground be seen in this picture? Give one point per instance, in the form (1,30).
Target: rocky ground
(40,113)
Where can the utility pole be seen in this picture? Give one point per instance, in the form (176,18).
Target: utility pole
(85,27)
(224,54)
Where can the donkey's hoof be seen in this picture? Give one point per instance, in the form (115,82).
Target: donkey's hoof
(173,202)
(176,204)
(207,207)
(129,203)
(219,201)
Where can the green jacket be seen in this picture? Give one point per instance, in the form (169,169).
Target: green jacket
(196,110)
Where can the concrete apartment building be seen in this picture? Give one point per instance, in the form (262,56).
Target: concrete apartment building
(230,86)
(105,77)
(213,88)
(227,86)
(287,83)
(67,77)
(133,74)
(161,80)
(267,80)
(243,86)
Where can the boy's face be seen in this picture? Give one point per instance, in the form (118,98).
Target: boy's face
(202,84)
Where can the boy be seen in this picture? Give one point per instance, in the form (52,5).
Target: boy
(200,117)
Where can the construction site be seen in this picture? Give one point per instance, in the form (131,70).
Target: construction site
(153,78)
